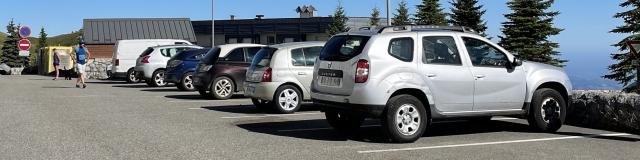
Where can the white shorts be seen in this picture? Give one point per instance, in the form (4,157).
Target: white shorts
(80,68)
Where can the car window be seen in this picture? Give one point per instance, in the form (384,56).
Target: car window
(251,52)
(483,54)
(236,55)
(440,50)
(402,49)
(343,48)
(311,54)
(297,57)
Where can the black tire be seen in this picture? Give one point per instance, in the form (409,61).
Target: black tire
(552,118)
(344,122)
(132,77)
(222,83)
(157,79)
(186,82)
(409,106)
(261,104)
(291,104)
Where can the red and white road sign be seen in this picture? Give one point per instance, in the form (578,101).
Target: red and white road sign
(24,45)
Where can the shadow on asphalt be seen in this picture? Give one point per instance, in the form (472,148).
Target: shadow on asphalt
(162,90)
(108,82)
(197,96)
(251,109)
(320,130)
(132,86)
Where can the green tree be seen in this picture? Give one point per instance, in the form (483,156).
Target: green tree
(339,23)
(42,42)
(402,15)
(469,14)
(528,29)
(624,71)
(430,13)
(375,17)
(10,47)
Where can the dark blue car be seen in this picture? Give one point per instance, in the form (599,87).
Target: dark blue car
(180,68)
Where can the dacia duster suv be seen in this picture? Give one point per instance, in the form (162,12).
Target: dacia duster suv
(408,76)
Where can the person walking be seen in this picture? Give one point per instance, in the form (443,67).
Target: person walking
(56,63)
(82,55)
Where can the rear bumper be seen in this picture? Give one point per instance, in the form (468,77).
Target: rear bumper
(172,77)
(364,109)
(202,80)
(261,90)
(119,74)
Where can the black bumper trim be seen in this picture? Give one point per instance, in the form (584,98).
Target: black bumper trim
(370,110)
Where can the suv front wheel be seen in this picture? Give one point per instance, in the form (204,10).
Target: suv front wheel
(548,110)
(406,119)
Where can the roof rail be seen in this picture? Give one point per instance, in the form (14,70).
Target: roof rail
(409,28)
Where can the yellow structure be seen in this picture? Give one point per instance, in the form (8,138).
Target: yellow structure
(45,60)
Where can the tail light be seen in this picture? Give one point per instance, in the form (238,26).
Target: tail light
(362,71)
(117,62)
(145,59)
(266,76)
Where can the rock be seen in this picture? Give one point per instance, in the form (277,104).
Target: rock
(612,110)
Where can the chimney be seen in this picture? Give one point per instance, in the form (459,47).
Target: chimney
(306,11)
(232,17)
(259,16)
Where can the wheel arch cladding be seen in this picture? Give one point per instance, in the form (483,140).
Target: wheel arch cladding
(416,93)
(557,86)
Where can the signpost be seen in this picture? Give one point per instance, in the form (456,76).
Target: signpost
(635,47)
(24,45)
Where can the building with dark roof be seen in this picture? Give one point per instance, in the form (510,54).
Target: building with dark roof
(101,35)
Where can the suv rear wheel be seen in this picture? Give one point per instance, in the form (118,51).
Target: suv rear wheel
(548,110)
(157,79)
(406,119)
(132,77)
(222,88)
(287,99)
(344,122)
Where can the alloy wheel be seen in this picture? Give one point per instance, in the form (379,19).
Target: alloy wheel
(288,99)
(188,82)
(159,79)
(407,119)
(223,88)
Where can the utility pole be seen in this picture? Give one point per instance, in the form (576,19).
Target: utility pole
(388,13)
(213,24)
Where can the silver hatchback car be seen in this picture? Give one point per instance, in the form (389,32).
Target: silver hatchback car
(280,75)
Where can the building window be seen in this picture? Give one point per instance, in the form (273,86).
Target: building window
(271,40)
(232,41)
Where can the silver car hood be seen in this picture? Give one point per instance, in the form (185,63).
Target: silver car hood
(534,66)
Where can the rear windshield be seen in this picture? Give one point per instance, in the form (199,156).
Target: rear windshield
(262,58)
(147,52)
(343,48)
(212,56)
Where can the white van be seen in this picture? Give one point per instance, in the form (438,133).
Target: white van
(127,51)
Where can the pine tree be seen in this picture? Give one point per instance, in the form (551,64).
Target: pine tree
(339,23)
(42,42)
(430,13)
(375,17)
(10,48)
(402,15)
(469,14)
(528,29)
(624,71)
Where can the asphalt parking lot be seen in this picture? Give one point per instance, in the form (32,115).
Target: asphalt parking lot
(45,119)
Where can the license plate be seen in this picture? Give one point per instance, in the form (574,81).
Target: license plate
(250,90)
(330,81)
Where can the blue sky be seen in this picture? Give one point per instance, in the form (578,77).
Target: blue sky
(585,42)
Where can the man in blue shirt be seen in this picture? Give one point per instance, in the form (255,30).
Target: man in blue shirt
(82,55)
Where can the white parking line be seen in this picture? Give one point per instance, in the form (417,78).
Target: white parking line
(494,143)
(271,115)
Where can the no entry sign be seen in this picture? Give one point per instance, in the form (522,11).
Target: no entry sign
(24,31)
(24,45)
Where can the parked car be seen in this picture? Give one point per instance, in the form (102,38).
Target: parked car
(127,52)
(181,68)
(152,63)
(407,76)
(221,73)
(293,65)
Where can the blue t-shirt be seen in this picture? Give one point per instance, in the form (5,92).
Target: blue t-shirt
(81,55)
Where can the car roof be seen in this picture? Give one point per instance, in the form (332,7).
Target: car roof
(135,40)
(298,44)
(225,49)
(175,45)
(371,31)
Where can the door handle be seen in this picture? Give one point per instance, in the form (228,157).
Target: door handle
(302,73)
(480,76)
(431,75)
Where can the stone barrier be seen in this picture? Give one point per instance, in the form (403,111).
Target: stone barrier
(610,110)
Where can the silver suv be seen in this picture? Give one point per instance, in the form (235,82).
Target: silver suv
(410,75)
(293,64)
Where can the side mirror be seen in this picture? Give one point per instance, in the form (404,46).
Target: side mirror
(516,62)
